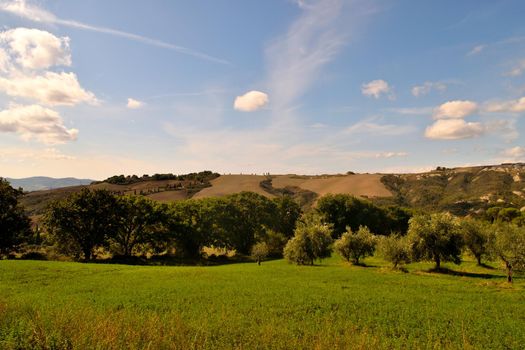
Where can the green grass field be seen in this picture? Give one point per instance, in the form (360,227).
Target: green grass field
(58,305)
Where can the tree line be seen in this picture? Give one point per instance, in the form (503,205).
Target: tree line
(91,221)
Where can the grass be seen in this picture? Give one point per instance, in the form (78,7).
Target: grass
(59,305)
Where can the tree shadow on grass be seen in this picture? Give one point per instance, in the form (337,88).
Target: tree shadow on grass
(446,271)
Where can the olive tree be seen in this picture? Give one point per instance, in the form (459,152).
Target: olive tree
(259,252)
(436,238)
(509,246)
(354,246)
(312,240)
(477,237)
(395,249)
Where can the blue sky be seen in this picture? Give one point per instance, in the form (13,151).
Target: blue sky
(97,88)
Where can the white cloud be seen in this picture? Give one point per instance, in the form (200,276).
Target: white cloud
(517,70)
(512,106)
(476,50)
(251,101)
(391,154)
(376,88)
(427,87)
(134,104)
(369,126)
(514,153)
(50,88)
(454,129)
(411,110)
(36,122)
(25,9)
(455,109)
(36,49)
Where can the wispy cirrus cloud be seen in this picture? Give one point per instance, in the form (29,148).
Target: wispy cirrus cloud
(295,59)
(32,12)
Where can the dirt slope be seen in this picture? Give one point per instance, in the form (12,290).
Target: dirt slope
(228,184)
(366,185)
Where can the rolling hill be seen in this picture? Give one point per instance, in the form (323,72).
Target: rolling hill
(38,183)
(458,190)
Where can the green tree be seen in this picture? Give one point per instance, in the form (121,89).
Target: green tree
(477,237)
(354,246)
(436,238)
(15,227)
(312,240)
(83,221)
(395,249)
(509,246)
(287,212)
(259,252)
(141,221)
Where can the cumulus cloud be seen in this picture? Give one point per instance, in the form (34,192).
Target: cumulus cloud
(376,88)
(36,49)
(134,104)
(512,106)
(427,87)
(251,101)
(50,88)
(36,122)
(455,109)
(454,129)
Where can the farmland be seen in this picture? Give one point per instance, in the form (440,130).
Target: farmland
(277,305)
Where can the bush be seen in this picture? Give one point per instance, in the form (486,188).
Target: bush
(354,246)
(395,249)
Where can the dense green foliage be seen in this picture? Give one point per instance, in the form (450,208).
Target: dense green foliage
(344,211)
(435,237)
(14,224)
(57,305)
(203,176)
(84,221)
(89,220)
(353,246)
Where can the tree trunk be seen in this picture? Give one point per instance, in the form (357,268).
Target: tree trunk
(478,258)
(87,254)
(509,272)
(438,262)
(259,261)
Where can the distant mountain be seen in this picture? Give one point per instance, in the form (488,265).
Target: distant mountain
(39,183)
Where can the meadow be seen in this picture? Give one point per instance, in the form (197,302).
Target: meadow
(333,305)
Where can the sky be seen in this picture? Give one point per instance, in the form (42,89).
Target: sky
(95,88)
